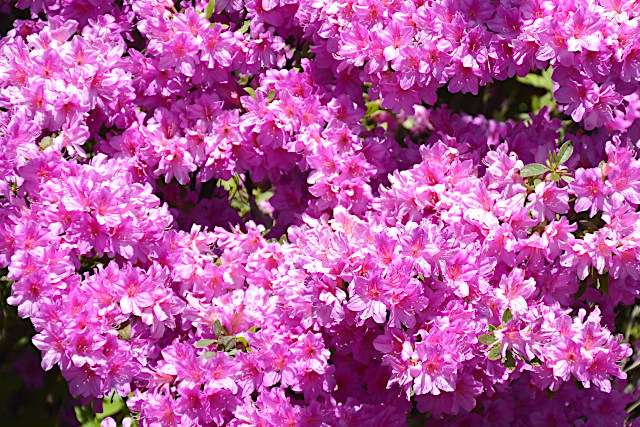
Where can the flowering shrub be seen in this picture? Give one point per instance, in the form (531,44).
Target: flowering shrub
(289,213)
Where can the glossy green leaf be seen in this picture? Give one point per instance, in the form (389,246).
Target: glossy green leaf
(510,361)
(602,282)
(204,343)
(372,107)
(565,153)
(230,343)
(111,406)
(533,169)
(494,353)
(243,341)
(250,91)
(125,333)
(211,7)
(487,339)
(535,362)
(542,81)
(245,27)
(46,142)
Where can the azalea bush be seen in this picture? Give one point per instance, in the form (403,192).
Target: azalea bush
(318,213)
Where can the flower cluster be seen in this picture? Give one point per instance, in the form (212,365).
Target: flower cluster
(439,262)
(409,49)
(241,213)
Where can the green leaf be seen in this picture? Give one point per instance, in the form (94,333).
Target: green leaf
(250,91)
(487,339)
(229,185)
(633,406)
(245,26)
(208,355)
(217,327)
(536,80)
(533,169)
(272,95)
(602,282)
(125,333)
(211,7)
(372,107)
(83,413)
(510,361)
(588,225)
(494,353)
(554,176)
(539,102)
(507,315)
(536,104)
(568,179)
(46,142)
(111,406)
(243,341)
(632,367)
(492,328)
(231,342)
(581,289)
(204,343)
(21,342)
(535,362)
(565,152)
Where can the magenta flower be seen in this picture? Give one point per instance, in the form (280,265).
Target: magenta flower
(355,44)
(435,371)
(602,245)
(515,290)
(180,53)
(548,200)
(368,297)
(134,288)
(590,190)
(577,256)
(244,213)
(569,360)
